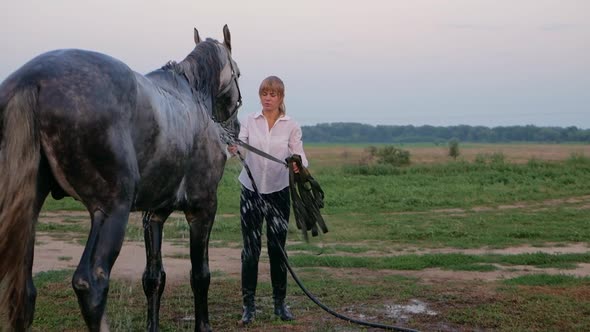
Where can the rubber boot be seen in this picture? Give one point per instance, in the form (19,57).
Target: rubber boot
(279,292)
(249,309)
(249,281)
(278,276)
(282,310)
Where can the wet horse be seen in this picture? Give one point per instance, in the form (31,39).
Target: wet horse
(83,124)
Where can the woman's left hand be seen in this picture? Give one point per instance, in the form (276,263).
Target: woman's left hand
(295,168)
(233,149)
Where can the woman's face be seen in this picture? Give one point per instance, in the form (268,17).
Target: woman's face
(270,101)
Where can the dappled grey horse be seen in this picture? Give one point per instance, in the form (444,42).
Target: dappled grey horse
(82,124)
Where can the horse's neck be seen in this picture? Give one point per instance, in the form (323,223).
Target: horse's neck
(180,79)
(177,107)
(198,89)
(189,70)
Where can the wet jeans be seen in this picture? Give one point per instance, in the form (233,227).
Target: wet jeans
(275,208)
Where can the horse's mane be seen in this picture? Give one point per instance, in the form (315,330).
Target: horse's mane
(201,67)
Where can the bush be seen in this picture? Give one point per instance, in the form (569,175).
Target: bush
(578,159)
(391,155)
(368,156)
(497,158)
(494,158)
(454,148)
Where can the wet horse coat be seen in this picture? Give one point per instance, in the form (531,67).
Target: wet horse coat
(83,124)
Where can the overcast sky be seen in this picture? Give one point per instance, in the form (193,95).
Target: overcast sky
(436,62)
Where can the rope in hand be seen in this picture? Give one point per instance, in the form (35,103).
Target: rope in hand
(305,179)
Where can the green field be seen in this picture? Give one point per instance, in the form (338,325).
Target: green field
(447,234)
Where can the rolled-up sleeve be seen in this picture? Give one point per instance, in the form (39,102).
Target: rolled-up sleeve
(296,144)
(243,136)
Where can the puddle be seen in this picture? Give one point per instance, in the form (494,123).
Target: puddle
(399,311)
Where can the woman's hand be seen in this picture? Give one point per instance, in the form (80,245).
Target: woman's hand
(295,168)
(233,149)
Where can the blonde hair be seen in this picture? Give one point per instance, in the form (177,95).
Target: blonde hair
(276,85)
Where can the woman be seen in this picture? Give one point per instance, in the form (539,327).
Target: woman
(277,134)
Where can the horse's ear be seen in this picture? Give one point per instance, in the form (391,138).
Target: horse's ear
(226,37)
(197,38)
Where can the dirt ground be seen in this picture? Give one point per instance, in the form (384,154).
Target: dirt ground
(58,254)
(517,153)
(52,253)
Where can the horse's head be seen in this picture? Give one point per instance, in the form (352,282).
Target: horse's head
(226,95)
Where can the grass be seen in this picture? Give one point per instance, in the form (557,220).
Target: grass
(454,261)
(451,185)
(384,222)
(423,187)
(127,302)
(67,204)
(525,304)
(548,280)
(54,309)
(63,228)
(531,303)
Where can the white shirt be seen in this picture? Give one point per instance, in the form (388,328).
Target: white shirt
(281,141)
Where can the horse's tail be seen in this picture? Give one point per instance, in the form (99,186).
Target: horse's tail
(20,155)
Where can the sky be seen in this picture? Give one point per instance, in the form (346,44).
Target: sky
(379,62)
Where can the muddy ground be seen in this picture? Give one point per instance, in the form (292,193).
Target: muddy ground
(59,252)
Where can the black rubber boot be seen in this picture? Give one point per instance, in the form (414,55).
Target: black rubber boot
(249,281)
(249,309)
(282,310)
(279,292)
(278,275)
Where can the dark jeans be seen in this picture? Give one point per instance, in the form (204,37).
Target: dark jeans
(275,208)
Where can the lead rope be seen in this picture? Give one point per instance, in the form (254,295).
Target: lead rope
(303,288)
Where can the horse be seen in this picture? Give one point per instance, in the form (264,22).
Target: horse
(83,124)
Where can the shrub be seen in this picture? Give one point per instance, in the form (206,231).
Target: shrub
(577,158)
(391,155)
(481,158)
(486,158)
(497,158)
(454,148)
(368,155)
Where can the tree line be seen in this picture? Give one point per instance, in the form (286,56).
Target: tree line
(345,132)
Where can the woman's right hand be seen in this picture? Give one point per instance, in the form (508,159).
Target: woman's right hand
(233,149)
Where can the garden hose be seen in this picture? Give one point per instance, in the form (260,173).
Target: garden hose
(305,290)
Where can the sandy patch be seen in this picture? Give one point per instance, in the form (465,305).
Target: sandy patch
(57,254)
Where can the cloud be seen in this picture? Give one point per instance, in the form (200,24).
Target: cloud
(558,26)
(471,26)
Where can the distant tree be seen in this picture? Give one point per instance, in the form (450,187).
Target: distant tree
(344,132)
(454,148)
(392,156)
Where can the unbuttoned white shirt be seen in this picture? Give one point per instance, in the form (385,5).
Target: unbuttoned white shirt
(281,141)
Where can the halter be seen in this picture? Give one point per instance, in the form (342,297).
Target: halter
(228,86)
(174,67)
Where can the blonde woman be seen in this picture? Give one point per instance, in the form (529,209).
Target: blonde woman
(274,132)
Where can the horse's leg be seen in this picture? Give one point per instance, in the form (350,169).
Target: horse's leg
(30,290)
(200,221)
(91,279)
(154,277)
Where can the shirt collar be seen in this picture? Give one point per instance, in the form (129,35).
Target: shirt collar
(284,117)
